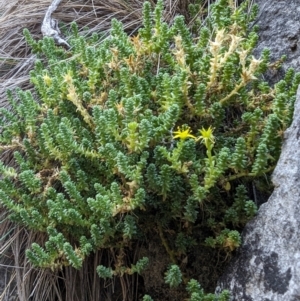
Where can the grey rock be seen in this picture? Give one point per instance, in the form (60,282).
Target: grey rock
(267,266)
(279,30)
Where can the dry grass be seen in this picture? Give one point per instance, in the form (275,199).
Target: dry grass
(23,281)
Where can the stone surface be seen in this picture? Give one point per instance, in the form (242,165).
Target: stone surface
(279,24)
(267,266)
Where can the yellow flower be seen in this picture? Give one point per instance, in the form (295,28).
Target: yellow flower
(207,136)
(183,134)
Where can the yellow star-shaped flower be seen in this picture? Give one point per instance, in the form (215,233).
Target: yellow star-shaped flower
(207,136)
(183,134)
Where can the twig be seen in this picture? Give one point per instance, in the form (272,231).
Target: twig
(165,244)
(50,25)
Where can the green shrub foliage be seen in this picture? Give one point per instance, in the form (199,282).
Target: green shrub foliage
(173,276)
(197,294)
(127,136)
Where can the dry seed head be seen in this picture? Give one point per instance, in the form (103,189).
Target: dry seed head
(217,43)
(247,76)
(113,65)
(180,57)
(114,51)
(235,29)
(243,55)
(254,64)
(220,36)
(178,41)
(138,44)
(120,108)
(68,77)
(214,47)
(72,95)
(235,41)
